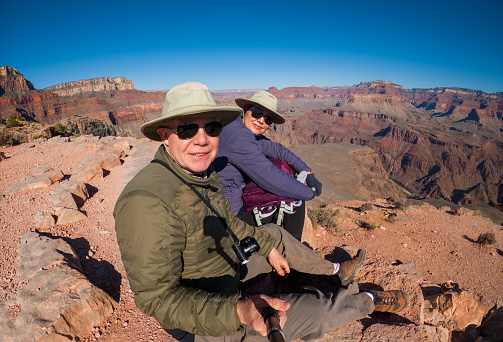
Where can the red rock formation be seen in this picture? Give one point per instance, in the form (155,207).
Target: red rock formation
(91,86)
(12,80)
(453,150)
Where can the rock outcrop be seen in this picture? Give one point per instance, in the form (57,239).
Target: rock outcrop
(12,81)
(451,151)
(113,100)
(91,86)
(55,301)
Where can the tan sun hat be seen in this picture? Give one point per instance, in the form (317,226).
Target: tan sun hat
(191,99)
(265,100)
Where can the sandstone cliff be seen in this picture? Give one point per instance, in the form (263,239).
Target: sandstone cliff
(113,100)
(442,142)
(449,148)
(12,80)
(91,86)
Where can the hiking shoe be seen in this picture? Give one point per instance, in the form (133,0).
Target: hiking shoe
(349,269)
(390,301)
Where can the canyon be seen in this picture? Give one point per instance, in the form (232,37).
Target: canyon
(441,143)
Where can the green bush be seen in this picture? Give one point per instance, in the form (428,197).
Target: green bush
(3,121)
(12,122)
(60,129)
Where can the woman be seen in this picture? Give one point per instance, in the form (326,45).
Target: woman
(242,156)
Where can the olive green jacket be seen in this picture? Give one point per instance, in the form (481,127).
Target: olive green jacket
(177,254)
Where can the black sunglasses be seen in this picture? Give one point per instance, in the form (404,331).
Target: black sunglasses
(257,114)
(189,130)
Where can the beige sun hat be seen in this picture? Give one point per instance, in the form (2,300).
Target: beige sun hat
(265,100)
(189,99)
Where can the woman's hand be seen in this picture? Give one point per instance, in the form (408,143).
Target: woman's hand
(314,184)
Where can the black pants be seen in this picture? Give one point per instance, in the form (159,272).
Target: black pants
(292,223)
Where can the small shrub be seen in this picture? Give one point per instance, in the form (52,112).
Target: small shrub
(486,239)
(3,121)
(12,122)
(366,207)
(401,204)
(392,217)
(324,217)
(323,205)
(458,212)
(368,225)
(373,222)
(60,129)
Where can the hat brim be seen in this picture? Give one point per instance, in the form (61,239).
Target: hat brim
(277,117)
(225,114)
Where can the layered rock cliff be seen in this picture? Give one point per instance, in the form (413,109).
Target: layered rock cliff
(442,142)
(453,151)
(91,86)
(12,80)
(113,100)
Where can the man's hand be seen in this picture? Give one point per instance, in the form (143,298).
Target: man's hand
(279,263)
(250,311)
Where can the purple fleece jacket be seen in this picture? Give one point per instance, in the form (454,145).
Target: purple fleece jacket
(242,155)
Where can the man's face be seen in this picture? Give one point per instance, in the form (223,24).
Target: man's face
(257,126)
(194,154)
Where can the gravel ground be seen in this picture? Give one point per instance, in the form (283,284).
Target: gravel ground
(440,243)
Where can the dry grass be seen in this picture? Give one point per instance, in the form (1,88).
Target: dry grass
(366,207)
(324,217)
(401,204)
(374,221)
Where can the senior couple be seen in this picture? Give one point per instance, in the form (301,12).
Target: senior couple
(180,239)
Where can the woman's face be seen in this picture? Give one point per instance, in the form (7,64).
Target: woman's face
(257,125)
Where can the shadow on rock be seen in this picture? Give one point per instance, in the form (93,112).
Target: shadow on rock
(100,273)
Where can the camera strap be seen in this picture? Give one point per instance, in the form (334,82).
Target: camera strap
(201,197)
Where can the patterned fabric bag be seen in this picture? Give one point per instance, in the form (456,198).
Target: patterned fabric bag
(263,203)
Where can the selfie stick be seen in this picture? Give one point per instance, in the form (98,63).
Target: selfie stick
(271,320)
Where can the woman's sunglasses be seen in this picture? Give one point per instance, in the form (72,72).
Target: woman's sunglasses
(189,130)
(257,114)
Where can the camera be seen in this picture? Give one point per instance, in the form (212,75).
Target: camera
(245,248)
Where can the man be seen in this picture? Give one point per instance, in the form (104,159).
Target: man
(177,237)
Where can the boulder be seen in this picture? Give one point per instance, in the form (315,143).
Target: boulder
(44,220)
(71,194)
(68,215)
(94,165)
(55,300)
(41,181)
(308,237)
(405,333)
(375,275)
(491,329)
(452,307)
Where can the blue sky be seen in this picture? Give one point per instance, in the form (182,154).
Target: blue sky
(257,44)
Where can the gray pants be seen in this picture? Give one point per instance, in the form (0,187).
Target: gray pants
(312,312)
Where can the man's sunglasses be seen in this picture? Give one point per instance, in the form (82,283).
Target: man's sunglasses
(257,114)
(189,130)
